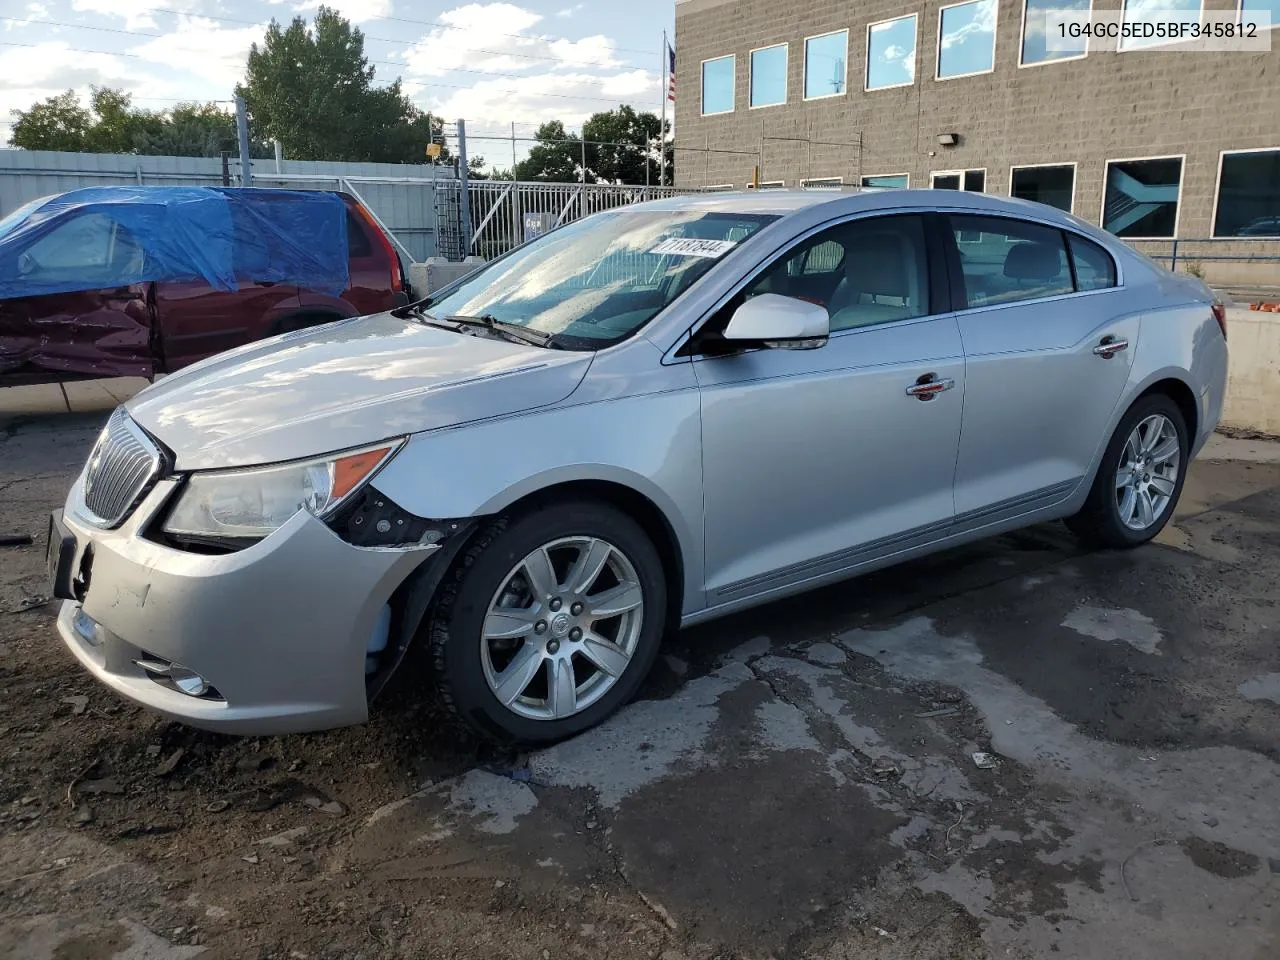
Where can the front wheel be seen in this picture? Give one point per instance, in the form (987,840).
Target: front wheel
(549,623)
(1139,479)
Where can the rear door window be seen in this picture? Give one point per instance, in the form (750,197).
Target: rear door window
(1004,260)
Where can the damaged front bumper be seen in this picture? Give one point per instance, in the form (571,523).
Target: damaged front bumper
(275,634)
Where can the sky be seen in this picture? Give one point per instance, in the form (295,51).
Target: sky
(492,63)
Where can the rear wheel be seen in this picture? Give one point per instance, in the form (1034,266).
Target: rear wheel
(1139,479)
(549,623)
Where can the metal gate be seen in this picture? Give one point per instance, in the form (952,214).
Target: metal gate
(504,214)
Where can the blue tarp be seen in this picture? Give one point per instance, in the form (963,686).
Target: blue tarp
(224,236)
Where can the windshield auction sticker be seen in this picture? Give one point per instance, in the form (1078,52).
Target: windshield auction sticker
(693,247)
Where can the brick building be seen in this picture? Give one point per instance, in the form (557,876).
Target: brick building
(1182,145)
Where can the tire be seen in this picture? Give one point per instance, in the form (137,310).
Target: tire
(1101,521)
(494,573)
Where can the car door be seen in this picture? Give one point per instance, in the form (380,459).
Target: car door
(86,316)
(197,321)
(815,461)
(1047,357)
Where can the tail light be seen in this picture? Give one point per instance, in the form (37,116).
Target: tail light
(397,273)
(1220,314)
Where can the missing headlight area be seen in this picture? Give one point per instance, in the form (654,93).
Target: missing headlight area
(373,519)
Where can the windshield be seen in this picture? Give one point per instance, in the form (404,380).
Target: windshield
(597,281)
(14,219)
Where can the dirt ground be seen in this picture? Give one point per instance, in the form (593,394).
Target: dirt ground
(797,781)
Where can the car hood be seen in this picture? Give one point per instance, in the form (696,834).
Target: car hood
(344,385)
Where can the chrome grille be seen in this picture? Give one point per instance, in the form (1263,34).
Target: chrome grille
(122,467)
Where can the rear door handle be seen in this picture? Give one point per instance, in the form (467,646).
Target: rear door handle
(1110,346)
(928,386)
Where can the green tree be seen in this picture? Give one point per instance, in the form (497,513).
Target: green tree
(312,88)
(118,126)
(58,123)
(198,130)
(621,144)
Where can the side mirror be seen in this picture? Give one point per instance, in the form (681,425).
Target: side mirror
(780,322)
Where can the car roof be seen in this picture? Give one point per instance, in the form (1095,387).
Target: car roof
(782,201)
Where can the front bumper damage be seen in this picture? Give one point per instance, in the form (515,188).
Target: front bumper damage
(278,630)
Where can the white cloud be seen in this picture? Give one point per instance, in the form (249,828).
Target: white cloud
(546,96)
(983,22)
(469,42)
(32,13)
(894,52)
(570,11)
(29,75)
(136,14)
(206,48)
(357,11)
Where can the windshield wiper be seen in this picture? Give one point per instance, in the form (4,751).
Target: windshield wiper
(512,331)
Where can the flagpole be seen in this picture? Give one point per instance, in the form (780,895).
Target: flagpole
(662,129)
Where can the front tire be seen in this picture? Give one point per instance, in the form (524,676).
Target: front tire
(1139,479)
(549,623)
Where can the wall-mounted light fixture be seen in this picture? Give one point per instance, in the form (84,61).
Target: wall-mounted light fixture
(947,139)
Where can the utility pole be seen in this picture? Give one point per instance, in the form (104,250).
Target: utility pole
(242,134)
(513,149)
(464,191)
(583,143)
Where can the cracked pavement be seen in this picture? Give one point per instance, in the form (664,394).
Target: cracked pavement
(794,781)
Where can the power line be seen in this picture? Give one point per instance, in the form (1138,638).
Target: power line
(425,83)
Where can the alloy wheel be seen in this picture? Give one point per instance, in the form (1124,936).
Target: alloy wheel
(562,628)
(1147,474)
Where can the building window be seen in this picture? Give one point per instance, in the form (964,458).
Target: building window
(1035,23)
(1054,185)
(966,39)
(825,59)
(1165,11)
(822,183)
(970,181)
(717,85)
(887,181)
(1248,194)
(1006,260)
(1249,10)
(1140,200)
(891,53)
(769,76)
(769,185)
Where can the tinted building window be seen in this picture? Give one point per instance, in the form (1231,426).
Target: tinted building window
(717,85)
(1249,10)
(1034,24)
(825,58)
(891,53)
(1142,197)
(890,181)
(1164,11)
(769,76)
(1051,185)
(1248,195)
(966,38)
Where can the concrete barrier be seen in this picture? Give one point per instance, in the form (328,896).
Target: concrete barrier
(1253,375)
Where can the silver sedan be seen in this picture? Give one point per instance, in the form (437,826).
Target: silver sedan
(645,419)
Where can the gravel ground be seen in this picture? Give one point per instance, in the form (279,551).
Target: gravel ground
(796,781)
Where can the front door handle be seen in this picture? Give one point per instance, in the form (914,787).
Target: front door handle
(928,386)
(1110,346)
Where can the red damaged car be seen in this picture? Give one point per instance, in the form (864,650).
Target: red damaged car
(138,281)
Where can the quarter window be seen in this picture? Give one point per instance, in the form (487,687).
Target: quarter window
(864,272)
(966,39)
(825,58)
(769,76)
(1142,198)
(91,245)
(1248,195)
(1095,270)
(1003,260)
(891,53)
(1035,24)
(717,85)
(1053,185)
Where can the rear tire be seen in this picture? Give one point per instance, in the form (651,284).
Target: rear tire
(1139,479)
(527,652)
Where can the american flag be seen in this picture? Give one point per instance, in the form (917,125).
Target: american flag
(671,73)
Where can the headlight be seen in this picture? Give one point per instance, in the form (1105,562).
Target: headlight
(249,504)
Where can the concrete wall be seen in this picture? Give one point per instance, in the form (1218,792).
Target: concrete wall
(1253,380)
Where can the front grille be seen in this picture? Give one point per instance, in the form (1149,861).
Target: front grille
(122,467)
